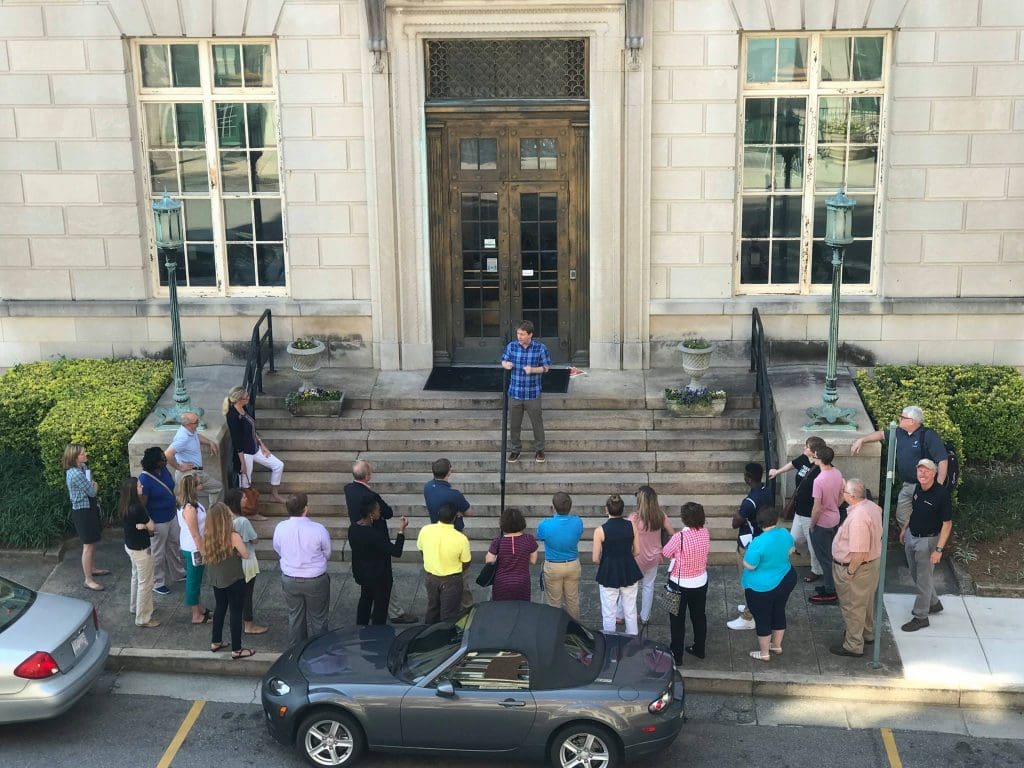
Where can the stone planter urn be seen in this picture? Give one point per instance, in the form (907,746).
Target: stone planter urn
(306,362)
(695,362)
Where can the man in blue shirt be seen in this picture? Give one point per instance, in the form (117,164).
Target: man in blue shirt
(561,536)
(438,492)
(914,441)
(745,520)
(185,456)
(528,360)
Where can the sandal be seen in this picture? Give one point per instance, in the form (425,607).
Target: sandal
(94,586)
(214,647)
(256,630)
(101,572)
(812,578)
(207,615)
(776,649)
(761,656)
(245,653)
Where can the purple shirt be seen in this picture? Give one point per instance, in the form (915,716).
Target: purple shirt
(304,547)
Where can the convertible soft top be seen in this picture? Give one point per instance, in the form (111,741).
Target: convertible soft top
(537,631)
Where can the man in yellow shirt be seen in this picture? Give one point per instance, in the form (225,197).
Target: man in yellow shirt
(445,557)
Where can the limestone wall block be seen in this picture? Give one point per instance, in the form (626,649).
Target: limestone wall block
(926,150)
(310,88)
(972,46)
(53,122)
(89,89)
(676,184)
(292,54)
(997,327)
(924,215)
(676,118)
(37,329)
(703,217)
(35,283)
(994,214)
(345,251)
(720,118)
(675,327)
(1013,246)
(60,188)
(24,89)
(1002,13)
(677,51)
(704,282)
(719,185)
(14,252)
(703,15)
(112,123)
(997,149)
(703,84)
(945,351)
(309,20)
(316,154)
(117,188)
(10,188)
(933,81)
(25,21)
(940,13)
(906,183)
(920,280)
(902,248)
(102,329)
(320,219)
(703,151)
(993,280)
(966,182)
(972,115)
(31,220)
(80,21)
(103,220)
(340,53)
(7,126)
(338,121)
(68,252)
(962,247)
(1000,80)
(108,284)
(13,353)
(914,47)
(126,251)
(675,249)
(46,55)
(131,17)
(852,328)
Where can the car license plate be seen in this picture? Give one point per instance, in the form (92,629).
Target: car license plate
(79,642)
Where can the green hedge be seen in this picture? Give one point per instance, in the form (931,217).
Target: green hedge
(33,514)
(99,403)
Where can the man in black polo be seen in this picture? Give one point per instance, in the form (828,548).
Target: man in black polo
(914,442)
(923,538)
(438,492)
(745,521)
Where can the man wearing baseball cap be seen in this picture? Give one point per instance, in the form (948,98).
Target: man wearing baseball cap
(923,537)
(914,442)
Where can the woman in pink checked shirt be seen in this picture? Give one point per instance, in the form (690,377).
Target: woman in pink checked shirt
(688,574)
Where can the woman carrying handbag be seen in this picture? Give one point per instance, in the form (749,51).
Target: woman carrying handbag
(250,449)
(688,581)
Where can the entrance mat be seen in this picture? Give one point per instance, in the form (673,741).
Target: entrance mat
(481,379)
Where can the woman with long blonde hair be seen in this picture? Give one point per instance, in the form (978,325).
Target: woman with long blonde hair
(249,448)
(85,510)
(191,522)
(223,551)
(652,527)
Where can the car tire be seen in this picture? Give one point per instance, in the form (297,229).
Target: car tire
(585,745)
(328,738)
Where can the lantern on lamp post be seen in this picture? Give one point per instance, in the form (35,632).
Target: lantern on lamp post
(838,235)
(167,230)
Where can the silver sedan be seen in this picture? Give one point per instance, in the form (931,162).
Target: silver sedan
(51,650)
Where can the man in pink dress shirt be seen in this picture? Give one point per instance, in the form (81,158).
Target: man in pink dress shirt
(304,547)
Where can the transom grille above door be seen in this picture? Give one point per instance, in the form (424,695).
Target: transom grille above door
(541,68)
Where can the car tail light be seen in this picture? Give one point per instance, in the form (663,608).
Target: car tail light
(95,619)
(39,666)
(659,704)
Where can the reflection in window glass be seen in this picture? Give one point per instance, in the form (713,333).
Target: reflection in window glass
(227,66)
(241,264)
(156,71)
(270,263)
(202,271)
(792,65)
(238,219)
(776,59)
(867,58)
(185,65)
(256,59)
(198,220)
(836,53)
(761,53)
(163,173)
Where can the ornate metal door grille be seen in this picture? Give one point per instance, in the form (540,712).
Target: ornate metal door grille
(536,68)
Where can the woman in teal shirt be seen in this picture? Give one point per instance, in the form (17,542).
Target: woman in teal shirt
(768,580)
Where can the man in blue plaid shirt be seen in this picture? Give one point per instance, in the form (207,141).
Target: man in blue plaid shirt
(528,360)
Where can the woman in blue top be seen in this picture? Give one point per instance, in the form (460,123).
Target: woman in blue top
(768,580)
(162,506)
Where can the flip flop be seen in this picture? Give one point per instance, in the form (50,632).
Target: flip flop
(256,630)
(776,649)
(812,578)
(94,587)
(245,653)
(214,647)
(207,615)
(760,657)
(101,572)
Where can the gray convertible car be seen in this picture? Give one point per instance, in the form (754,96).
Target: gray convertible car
(514,679)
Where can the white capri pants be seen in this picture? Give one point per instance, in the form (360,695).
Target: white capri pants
(271,462)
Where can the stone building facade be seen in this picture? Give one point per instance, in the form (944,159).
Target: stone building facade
(333,171)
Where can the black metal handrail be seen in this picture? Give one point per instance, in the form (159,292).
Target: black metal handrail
(763,388)
(261,350)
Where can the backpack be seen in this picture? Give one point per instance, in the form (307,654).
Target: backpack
(952,462)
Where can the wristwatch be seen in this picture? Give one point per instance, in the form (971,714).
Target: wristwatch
(939,550)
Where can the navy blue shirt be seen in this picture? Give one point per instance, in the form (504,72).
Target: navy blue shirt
(439,492)
(757,498)
(922,443)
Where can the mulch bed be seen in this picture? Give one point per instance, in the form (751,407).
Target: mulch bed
(999,562)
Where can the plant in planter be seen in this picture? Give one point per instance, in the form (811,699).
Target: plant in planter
(306,354)
(696,358)
(314,401)
(695,402)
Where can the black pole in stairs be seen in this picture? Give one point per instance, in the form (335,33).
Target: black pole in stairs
(504,436)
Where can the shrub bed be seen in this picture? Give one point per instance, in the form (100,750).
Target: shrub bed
(44,406)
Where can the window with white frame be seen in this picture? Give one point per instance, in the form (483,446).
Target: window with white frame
(210,135)
(812,116)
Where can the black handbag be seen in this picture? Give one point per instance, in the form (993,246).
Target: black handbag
(486,577)
(669,599)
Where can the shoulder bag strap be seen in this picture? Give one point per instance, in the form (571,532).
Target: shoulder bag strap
(149,474)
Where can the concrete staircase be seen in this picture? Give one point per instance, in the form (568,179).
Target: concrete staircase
(598,443)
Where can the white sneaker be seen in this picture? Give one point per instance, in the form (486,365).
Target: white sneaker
(741,607)
(740,623)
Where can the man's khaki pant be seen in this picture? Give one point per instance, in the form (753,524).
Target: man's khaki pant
(562,581)
(905,503)
(856,601)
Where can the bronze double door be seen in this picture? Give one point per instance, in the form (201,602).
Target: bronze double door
(507,234)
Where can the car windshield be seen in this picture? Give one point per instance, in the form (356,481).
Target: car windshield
(14,601)
(431,646)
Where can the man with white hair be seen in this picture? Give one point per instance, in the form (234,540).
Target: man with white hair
(185,456)
(923,538)
(856,553)
(914,442)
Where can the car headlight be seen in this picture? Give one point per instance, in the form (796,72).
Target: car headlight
(277,686)
(659,704)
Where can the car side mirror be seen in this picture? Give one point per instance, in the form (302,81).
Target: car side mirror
(445,689)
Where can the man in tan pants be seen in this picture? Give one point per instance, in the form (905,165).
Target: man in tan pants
(561,536)
(856,550)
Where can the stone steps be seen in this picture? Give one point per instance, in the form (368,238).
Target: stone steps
(467,461)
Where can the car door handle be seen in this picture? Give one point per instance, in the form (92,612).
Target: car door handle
(512,703)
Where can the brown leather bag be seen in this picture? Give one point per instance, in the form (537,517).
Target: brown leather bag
(250,501)
(789,510)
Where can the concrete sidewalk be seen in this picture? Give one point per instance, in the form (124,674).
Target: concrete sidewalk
(967,657)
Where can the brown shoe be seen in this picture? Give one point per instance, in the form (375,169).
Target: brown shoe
(539,457)
(915,624)
(404,618)
(151,624)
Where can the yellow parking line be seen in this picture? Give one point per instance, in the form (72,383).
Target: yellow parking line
(890,748)
(179,737)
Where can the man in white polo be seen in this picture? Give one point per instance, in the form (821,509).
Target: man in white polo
(185,456)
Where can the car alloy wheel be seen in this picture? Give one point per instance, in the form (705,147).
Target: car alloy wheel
(584,746)
(331,738)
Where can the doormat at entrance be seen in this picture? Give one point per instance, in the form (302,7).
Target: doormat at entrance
(480,379)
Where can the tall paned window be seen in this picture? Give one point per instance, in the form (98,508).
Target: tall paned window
(812,117)
(210,131)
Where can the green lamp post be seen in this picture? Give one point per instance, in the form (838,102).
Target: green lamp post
(167,227)
(838,235)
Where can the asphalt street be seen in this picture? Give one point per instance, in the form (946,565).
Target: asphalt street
(131,720)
